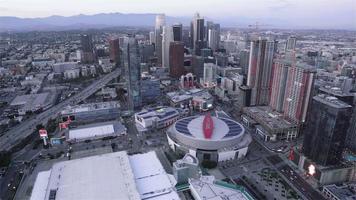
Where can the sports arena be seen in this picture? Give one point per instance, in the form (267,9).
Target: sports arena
(209,137)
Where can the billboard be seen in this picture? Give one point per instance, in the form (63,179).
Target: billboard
(43,133)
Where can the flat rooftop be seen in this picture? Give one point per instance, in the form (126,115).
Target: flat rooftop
(96,130)
(160,112)
(31,100)
(347,191)
(113,176)
(209,189)
(189,94)
(90,107)
(268,118)
(331,101)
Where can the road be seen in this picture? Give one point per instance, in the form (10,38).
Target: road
(16,134)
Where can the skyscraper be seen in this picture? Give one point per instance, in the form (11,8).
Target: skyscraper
(114,49)
(133,73)
(198,34)
(351,134)
(176,59)
(260,70)
(213,35)
(325,130)
(152,37)
(88,53)
(291,43)
(291,88)
(298,90)
(167,38)
(160,22)
(244,59)
(177,32)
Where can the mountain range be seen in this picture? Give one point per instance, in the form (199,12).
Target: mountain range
(81,21)
(106,20)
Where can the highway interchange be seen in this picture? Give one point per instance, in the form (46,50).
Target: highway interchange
(14,136)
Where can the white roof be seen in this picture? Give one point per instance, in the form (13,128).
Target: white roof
(206,188)
(40,187)
(152,172)
(106,176)
(112,176)
(90,132)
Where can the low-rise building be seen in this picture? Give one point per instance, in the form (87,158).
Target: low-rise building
(207,188)
(270,124)
(95,131)
(91,112)
(340,192)
(158,117)
(107,176)
(33,102)
(197,99)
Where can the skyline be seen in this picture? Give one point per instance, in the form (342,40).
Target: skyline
(275,13)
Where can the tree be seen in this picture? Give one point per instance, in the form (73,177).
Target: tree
(5,159)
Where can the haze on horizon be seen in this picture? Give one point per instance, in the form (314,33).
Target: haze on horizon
(295,13)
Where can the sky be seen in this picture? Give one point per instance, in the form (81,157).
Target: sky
(321,13)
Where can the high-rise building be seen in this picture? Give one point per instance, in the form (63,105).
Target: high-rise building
(114,49)
(278,90)
(213,35)
(160,22)
(133,73)
(88,53)
(177,32)
(152,37)
(298,90)
(198,33)
(351,134)
(244,59)
(291,89)
(325,130)
(260,70)
(210,75)
(291,43)
(167,38)
(176,59)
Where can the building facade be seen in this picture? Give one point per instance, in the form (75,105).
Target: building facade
(325,130)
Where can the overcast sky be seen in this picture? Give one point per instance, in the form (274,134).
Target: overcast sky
(332,13)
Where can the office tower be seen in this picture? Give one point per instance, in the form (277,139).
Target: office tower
(133,73)
(291,43)
(198,33)
(325,130)
(146,52)
(260,70)
(150,90)
(244,59)
(210,74)
(160,22)
(351,134)
(176,59)
(167,38)
(152,37)
(213,35)
(177,32)
(198,67)
(114,49)
(88,55)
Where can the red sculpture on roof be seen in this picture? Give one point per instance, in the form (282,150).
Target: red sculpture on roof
(208,126)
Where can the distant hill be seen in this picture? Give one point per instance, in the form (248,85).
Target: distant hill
(82,21)
(105,20)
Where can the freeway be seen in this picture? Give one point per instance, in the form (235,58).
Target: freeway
(14,136)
